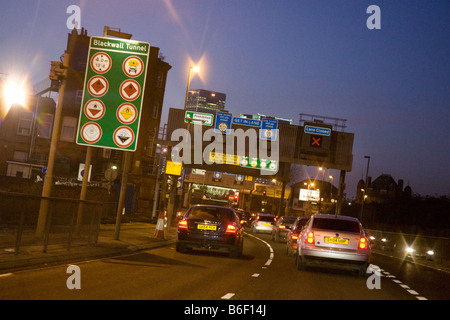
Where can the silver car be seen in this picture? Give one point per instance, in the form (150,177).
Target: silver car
(334,240)
(264,222)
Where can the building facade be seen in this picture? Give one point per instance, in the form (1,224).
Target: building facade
(205,100)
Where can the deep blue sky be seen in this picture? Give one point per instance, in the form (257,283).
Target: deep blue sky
(282,58)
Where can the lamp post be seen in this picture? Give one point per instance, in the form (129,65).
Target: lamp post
(191,69)
(48,180)
(365,188)
(331,186)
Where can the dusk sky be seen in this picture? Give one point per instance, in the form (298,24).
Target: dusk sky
(283,58)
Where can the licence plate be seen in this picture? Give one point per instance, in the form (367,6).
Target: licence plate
(267,224)
(206,227)
(336,240)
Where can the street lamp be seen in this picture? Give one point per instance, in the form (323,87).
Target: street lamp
(365,188)
(331,186)
(13,93)
(191,69)
(323,172)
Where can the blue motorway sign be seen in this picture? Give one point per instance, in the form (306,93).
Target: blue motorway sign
(247,122)
(223,122)
(268,129)
(318,130)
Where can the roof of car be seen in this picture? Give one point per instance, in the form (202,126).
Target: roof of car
(211,206)
(333,216)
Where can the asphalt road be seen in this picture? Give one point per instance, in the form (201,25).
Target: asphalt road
(264,272)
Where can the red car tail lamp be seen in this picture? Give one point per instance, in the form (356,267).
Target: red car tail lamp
(182,224)
(231,229)
(363,243)
(310,238)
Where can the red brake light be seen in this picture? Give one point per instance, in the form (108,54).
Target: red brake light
(230,229)
(310,238)
(362,243)
(182,224)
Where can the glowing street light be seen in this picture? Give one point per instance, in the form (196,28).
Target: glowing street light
(13,93)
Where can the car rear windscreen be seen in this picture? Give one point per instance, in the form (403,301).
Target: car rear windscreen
(336,225)
(210,213)
(266,218)
(289,219)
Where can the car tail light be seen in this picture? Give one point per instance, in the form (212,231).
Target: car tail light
(362,243)
(230,229)
(182,224)
(310,238)
(294,237)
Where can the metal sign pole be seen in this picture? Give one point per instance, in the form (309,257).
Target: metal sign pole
(123,189)
(48,180)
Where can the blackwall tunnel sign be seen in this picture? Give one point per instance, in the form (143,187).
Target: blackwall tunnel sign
(113,93)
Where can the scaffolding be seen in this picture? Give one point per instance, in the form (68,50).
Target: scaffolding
(338,124)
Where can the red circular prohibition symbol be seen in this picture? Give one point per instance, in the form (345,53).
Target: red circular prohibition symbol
(123,141)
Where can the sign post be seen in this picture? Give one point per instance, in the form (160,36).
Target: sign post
(116,71)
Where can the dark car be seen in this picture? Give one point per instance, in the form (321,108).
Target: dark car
(294,234)
(282,227)
(245,217)
(211,227)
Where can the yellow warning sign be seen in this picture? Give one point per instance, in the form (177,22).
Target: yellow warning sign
(174,168)
(222,158)
(126,113)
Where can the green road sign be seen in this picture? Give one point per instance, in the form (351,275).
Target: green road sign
(113,93)
(194,117)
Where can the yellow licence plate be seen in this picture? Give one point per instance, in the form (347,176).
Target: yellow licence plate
(336,240)
(206,227)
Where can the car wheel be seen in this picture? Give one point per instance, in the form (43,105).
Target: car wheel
(301,263)
(236,252)
(289,251)
(179,247)
(362,270)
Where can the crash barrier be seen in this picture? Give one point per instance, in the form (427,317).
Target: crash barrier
(418,248)
(64,224)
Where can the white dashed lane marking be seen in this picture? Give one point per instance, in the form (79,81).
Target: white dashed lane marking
(256,275)
(404,286)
